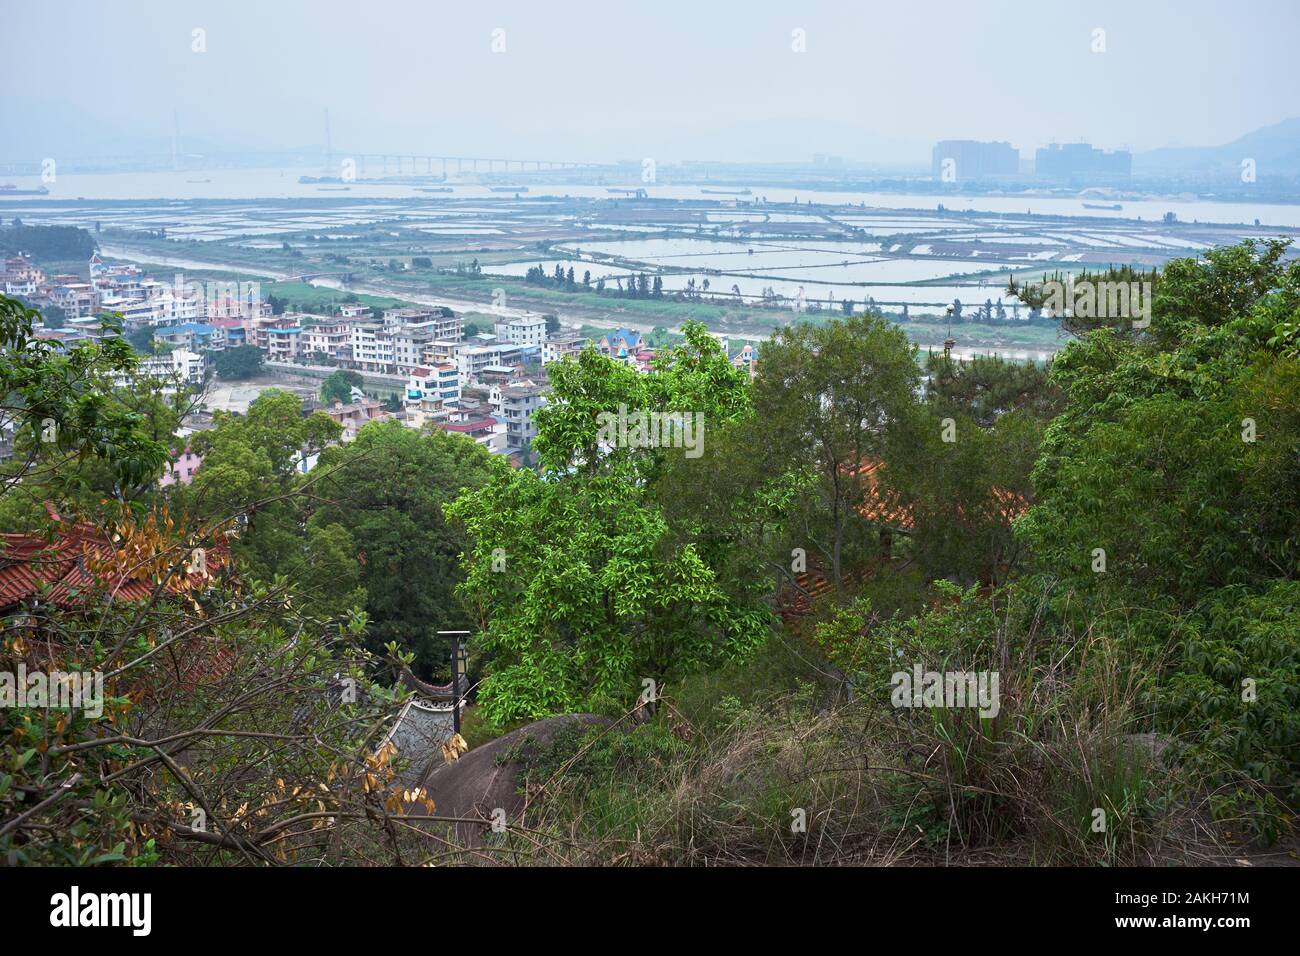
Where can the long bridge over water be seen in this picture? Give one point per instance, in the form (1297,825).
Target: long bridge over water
(417,164)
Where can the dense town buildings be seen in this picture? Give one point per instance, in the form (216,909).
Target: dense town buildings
(487,386)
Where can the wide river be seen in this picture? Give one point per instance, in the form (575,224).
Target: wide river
(283,184)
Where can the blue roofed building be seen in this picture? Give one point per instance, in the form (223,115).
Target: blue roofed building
(192,335)
(621,344)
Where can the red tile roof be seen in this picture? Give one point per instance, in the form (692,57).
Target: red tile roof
(474,426)
(66,564)
(878,505)
(881,507)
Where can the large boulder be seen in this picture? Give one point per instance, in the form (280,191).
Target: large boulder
(488,777)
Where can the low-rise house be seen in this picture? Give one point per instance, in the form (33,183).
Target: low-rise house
(474,359)
(621,345)
(355,415)
(180,471)
(501,374)
(441,351)
(220,303)
(76,299)
(431,395)
(561,344)
(280,340)
(408,343)
(746,358)
(442,323)
(372,347)
(328,339)
(21,276)
(64,337)
(484,429)
(234,334)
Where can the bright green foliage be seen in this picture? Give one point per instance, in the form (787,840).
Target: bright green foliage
(1178,456)
(363,528)
(1153,460)
(62,401)
(736,509)
(581,588)
(250,468)
(247,458)
(957,633)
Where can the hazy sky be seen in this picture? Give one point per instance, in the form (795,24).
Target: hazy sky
(668,79)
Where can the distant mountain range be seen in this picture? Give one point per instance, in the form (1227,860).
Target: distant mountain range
(1275,150)
(33,130)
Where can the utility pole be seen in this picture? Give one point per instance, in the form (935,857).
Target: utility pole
(459,678)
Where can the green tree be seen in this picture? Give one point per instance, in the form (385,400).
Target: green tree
(579,585)
(53,317)
(961,484)
(829,396)
(47,243)
(1169,511)
(387,490)
(251,468)
(338,386)
(986,387)
(240,363)
(142,340)
(60,402)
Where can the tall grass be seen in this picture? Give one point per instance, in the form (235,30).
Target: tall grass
(1053,779)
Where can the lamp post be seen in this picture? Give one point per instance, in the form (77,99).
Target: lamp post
(459,656)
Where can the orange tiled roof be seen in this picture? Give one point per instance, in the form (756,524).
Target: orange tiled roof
(882,507)
(64,563)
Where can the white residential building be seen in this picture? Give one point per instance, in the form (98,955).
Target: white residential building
(372,348)
(329,339)
(432,394)
(442,326)
(179,364)
(473,360)
(522,330)
(519,403)
(561,344)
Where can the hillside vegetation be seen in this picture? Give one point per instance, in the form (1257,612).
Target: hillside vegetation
(1108,546)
